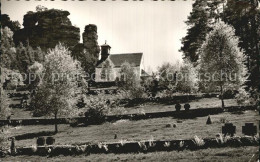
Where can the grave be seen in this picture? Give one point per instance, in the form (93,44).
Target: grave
(178,107)
(40,141)
(229,129)
(187,107)
(50,140)
(249,129)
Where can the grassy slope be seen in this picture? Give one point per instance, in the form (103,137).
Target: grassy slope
(202,103)
(139,130)
(149,107)
(241,154)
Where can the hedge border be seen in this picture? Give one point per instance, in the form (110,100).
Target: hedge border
(136,147)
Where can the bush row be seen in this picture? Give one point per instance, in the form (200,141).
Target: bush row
(136,147)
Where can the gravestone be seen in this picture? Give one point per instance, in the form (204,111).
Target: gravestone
(249,129)
(178,107)
(40,141)
(187,107)
(229,129)
(50,140)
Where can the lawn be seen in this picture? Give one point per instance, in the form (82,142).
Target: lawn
(140,129)
(148,107)
(201,103)
(241,154)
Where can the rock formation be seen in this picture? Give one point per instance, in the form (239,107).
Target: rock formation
(47,28)
(90,40)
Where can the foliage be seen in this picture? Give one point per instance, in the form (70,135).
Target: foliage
(150,85)
(41,8)
(243,96)
(27,56)
(222,61)
(4,143)
(10,79)
(107,70)
(35,72)
(199,142)
(20,57)
(102,104)
(97,108)
(187,79)
(130,83)
(5,111)
(6,22)
(87,60)
(59,90)
(167,75)
(198,23)
(8,51)
(245,18)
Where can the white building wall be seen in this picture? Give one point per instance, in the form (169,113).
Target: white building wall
(115,73)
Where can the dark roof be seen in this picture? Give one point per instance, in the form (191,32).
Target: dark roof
(144,73)
(119,59)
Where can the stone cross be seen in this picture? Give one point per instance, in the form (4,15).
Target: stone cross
(229,129)
(249,129)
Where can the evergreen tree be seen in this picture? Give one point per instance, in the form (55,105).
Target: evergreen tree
(198,23)
(244,16)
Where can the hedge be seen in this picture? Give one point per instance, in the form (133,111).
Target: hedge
(136,147)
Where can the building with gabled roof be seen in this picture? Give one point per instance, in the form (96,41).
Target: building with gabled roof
(109,66)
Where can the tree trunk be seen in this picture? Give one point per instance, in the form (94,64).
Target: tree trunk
(56,123)
(222,97)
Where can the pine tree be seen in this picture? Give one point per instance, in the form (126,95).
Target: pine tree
(198,23)
(222,62)
(244,16)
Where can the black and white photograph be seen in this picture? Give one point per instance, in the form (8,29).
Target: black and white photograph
(130,80)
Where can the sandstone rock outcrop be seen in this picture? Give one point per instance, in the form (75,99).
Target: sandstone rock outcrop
(46,29)
(90,40)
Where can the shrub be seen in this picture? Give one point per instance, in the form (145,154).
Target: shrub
(199,142)
(223,120)
(221,139)
(4,143)
(242,97)
(96,109)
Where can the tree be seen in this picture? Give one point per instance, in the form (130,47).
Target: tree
(130,82)
(5,111)
(222,62)
(87,60)
(167,75)
(59,90)
(6,22)
(107,70)
(187,78)
(8,51)
(244,16)
(35,73)
(198,23)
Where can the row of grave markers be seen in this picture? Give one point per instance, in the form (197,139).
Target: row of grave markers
(249,129)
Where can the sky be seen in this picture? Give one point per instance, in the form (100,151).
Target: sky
(154,28)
